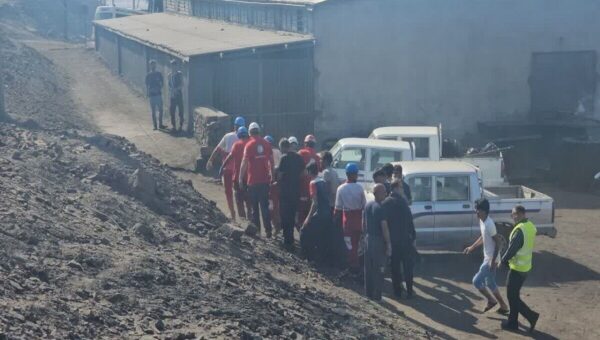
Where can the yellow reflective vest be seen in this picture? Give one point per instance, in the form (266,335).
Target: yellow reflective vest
(521,262)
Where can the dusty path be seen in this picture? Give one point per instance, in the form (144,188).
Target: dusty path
(564,285)
(112,106)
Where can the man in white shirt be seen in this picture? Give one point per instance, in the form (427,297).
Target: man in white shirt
(223,149)
(350,201)
(486,276)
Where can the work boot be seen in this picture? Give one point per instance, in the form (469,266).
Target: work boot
(533,322)
(155,128)
(161,126)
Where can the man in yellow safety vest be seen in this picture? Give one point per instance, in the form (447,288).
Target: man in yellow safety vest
(518,258)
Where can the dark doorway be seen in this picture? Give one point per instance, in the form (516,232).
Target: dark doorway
(562,83)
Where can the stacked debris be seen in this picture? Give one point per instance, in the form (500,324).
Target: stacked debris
(100,240)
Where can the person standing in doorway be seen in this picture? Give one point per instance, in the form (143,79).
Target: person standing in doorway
(350,201)
(403,237)
(378,244)
(256,172)
(486,276)
(234,161)
(289,172)
(176,94)
(518,258)
(223,149)
(154,85)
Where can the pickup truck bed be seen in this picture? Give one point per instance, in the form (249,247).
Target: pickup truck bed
(540,207)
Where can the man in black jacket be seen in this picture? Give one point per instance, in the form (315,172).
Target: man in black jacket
(403,235)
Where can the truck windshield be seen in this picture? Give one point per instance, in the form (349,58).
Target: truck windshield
(421,146)
(380,157)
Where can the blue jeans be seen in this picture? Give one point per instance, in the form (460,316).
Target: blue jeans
(485,277)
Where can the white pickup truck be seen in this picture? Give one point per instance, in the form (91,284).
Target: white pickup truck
(368,154)
(444,194)
(427,142)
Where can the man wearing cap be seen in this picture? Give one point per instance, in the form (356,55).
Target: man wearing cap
(154,86)
(176,94)
(234,162)
(256,172)
(289,171)
(274,189)
(293,143)
(350,201)
(223,149)
(309,156)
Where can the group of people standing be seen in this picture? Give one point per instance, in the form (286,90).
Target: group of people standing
(296,188)
(290,187)
(154,88)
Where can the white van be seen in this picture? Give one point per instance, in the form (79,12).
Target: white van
(427,141)
(368,154)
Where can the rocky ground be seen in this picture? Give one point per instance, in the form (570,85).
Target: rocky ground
(100,240)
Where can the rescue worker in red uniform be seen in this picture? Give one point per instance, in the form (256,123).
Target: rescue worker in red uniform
(309,156)
(274,189)
(350,201)
(223,149)
(235,159)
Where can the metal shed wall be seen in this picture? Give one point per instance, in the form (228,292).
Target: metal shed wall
(107,47)
(133,64)
(274,88)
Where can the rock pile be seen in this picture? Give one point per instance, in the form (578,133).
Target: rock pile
(100,240)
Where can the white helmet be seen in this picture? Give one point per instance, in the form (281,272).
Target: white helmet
(293,140)
(254,126)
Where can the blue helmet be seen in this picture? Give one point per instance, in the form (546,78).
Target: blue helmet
(270,139)
(351,168)
(242,132)
(240,121)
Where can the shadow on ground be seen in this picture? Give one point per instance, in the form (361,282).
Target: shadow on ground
(458,267)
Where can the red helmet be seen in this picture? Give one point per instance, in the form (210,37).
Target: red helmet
(310,138)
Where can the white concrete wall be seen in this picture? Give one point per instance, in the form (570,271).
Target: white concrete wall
(454,62)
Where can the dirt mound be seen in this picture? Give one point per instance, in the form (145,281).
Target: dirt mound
(35,90)
(100,240)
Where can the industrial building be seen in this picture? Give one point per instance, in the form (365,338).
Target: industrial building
(264,75)
(369,63)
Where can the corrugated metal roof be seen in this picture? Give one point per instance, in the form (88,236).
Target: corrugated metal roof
(189,36)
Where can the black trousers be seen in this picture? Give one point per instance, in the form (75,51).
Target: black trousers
(176,103)
(402,268)
(259,197)
(288,206)
(513,292)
